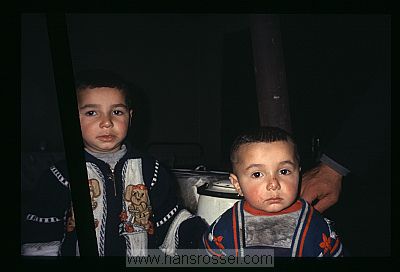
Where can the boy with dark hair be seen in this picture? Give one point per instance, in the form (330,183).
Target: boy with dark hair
(134,202)
(266,170)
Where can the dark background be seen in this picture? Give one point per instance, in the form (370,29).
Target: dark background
(194,79)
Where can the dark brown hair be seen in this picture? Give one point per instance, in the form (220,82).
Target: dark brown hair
(97,78)
(263,135)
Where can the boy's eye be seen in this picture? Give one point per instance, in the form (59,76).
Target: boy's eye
(90,113)
(118,112)
(257,175)
(284,172)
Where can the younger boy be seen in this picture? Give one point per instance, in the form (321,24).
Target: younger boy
(266,172)
(133,196)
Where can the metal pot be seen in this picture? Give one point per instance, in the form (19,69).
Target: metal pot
(215,198)
(189,180)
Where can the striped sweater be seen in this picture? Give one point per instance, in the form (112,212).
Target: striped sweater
(297,231)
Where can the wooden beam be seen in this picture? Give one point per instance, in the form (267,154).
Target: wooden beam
(270,75)
(72,137)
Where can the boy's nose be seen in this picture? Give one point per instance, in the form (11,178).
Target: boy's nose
(273,184)
(106,122)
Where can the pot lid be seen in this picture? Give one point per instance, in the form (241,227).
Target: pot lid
(223,185)
(220,188)
(199,173)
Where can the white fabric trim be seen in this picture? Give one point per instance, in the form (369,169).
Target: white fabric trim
(35,218)
(170,243)
(339,251)
(59,176)
(154,176)
(300,228)
(167,217)
(41,249)
(100,213)
(136,242)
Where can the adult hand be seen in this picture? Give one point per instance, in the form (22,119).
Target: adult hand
(322,183)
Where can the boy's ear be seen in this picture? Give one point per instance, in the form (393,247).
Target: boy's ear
(235,182)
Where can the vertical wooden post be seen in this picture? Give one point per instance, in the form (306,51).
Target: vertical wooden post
(272,94)
(72,136)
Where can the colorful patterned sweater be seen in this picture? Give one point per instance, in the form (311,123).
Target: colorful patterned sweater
(135,208)
(297,231)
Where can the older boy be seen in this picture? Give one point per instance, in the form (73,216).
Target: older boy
(266,172)
(133,196)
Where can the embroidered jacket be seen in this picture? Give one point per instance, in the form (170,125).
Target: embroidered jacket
(297,231)
(134,207)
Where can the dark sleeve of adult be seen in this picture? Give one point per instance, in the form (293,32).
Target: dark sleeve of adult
(364,138)
(191,232)
(43,227)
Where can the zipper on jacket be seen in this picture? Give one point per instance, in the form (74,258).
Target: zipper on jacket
(113,179)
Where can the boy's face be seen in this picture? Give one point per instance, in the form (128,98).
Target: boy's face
(104,118)
(267,174)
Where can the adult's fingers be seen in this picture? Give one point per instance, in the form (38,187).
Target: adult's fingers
(308,195)
(324,203)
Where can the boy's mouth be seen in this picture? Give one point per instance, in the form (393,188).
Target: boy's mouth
(274,199)
(106,138)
